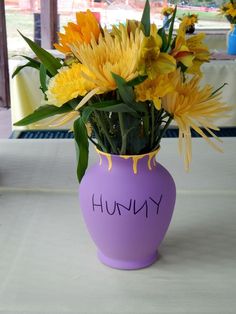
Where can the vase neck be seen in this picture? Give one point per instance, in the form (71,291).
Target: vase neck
(135,161)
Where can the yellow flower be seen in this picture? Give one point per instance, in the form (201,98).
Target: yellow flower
(132,25)
(200,51)
(188,20)
(111,54)
(191,107)
(181,51)
(167,11)
(152,90)
(86,28)
(231,11)
(223,9)
(191,52)
(228,9)
(152,61)
(68,84)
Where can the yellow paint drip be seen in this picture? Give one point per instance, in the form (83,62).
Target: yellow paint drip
(135,162)
(100,159)
(151,156)
(109,159)
(135,159)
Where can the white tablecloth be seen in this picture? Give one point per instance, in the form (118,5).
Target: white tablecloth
(48,263)
(26,96)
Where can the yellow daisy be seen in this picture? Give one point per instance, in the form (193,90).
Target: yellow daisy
(68,84)
(111,54)
(192,107)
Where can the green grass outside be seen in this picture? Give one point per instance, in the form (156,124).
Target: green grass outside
(24,22)
(205,16)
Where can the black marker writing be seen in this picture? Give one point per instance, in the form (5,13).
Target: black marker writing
(148,206)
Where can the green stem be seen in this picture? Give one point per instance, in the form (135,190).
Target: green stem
(108,120)
(92,141)
(164,129)
(123,135)
(159,115)
(100,143)
(104,130)
(152,125)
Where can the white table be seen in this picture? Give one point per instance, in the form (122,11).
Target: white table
(216,73)
(48,263)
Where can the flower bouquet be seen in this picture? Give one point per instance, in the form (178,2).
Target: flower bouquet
(229,11)
(189,22)
(121,88)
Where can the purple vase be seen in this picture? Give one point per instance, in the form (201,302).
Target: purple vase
(127,204)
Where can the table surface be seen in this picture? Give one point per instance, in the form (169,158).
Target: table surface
(48,262)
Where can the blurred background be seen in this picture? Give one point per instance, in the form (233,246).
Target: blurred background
(25,15)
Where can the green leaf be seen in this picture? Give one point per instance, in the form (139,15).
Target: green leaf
(29,59)
(51,63)
(137,80)
(86,113)
(19,68)
(127,94)
(117,108)
(74,102)
(161,32)
(32,64)
(135,141)
(120,107)
(145,21)
(82,147)
(146,125)
(105,103)
(111,106)
(182,67)
(171,28)
(139,107)
(43,77)
(43,112)
(125,91)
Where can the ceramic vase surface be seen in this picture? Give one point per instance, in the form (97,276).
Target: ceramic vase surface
(127,204)
(231,41)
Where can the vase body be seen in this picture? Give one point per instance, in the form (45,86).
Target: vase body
(127,204)
(231,41)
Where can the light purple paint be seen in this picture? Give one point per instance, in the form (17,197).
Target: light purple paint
(127,214)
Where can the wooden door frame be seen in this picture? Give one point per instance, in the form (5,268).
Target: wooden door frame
(49,28)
